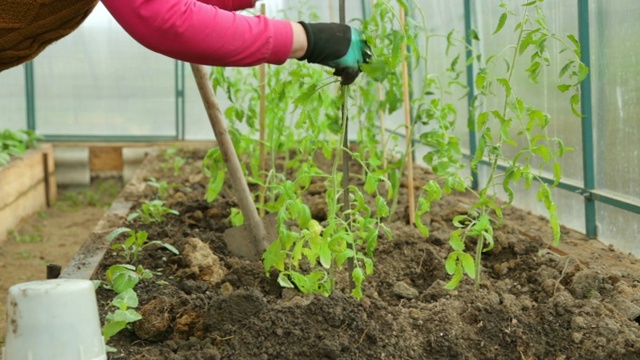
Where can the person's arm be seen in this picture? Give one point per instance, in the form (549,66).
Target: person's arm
(196,32)
(231,5)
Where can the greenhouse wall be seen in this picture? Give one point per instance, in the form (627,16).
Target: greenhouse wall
(99,84)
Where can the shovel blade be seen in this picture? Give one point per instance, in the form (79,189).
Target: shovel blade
(240,242)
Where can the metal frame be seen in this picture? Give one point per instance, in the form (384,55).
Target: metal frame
(588,189)
(180,113)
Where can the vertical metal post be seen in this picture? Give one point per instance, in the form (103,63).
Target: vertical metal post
(587,119)
(471,85)
(30,93)
(365,10)
(180,99)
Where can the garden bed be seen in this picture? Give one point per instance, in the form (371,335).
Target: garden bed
(27,185)
(577,301)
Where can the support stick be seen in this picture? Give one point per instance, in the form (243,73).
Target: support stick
(408,125)
(346,156)
(263,120)
(238,181)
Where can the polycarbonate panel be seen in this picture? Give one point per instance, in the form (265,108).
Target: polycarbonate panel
(562,19)
(616,102)
(570,206)
(618,228)
(311,11)
(197,125)
(99,81)
(440,18)
(13,103)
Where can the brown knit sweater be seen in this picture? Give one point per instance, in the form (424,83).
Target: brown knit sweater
(28,26)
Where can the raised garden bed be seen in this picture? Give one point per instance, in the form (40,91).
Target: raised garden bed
(578,301)
(27,185)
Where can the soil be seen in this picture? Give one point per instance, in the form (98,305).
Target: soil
(580,300)
(52,236)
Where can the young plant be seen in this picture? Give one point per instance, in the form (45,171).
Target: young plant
(152,211)
(162,187)
(177,164)
(512,134)
(123,315)
(134,243)
(122,277)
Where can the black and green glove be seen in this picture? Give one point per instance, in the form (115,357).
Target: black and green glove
(338,46)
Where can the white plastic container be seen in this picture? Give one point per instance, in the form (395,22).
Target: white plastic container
(53,320)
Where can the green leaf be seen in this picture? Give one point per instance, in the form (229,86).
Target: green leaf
(301,282)
(501,22)
(468,264)
(457,277)
(566,68)
(325,256)
(127,316)
(283,280)
(473,35)
(371,183)
(480,81)
(304,97)
(483,119)
(122,277)
(575,105)
(126,299)
(575,42)
(557,173)
(506,85)
(215,183)
(376,69)
(583,71)
(358,277)
(167,246)
(115,233)
(382,207)
(455,240)
(564,87)
(112,328)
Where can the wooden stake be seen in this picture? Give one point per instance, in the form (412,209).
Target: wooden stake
(408,125)
(263,120)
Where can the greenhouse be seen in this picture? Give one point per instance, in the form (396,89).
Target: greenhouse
(374,179)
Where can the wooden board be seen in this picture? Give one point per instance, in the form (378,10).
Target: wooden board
(105,158)
(27,185)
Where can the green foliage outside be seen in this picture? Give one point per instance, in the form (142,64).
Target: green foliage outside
(15,143)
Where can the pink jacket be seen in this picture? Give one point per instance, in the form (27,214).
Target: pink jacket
(204,32)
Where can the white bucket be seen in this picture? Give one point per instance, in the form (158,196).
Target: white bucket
(53,320)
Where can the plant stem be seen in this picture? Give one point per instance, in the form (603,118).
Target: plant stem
(479,247)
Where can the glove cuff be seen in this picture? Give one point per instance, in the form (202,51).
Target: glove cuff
(326,42)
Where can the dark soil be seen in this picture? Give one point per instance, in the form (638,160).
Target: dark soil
(578,301)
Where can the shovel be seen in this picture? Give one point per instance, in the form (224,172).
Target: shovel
(251,239)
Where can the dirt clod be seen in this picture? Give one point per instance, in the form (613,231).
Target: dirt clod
(202,262)
(405,291)
(156,323)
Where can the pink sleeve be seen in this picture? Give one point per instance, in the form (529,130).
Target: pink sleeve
(201,33)
(231,4)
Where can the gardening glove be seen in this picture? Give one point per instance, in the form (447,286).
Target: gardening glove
(338,46)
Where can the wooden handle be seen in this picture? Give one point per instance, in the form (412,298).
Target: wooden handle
(238,181)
